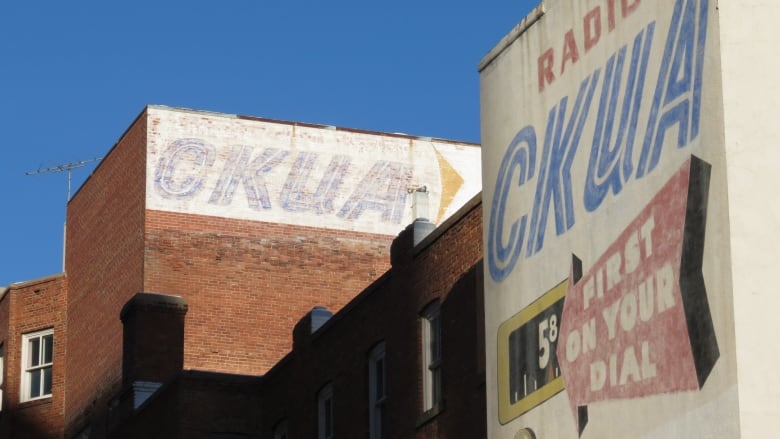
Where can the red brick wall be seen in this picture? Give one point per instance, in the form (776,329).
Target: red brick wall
(247,283)
(450,270)
(446,267)
(5,312)
(31,307)
(104,263)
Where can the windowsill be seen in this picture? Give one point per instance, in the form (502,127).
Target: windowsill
(428,415)
(35,402)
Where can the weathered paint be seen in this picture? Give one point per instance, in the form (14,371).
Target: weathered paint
(638,323)
(604,184)
(219,165)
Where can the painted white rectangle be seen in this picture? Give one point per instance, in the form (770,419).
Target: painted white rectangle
(259,170)
(589,108)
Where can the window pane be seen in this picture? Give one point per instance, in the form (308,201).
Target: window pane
(328,417)
(48,348)
(35,383)
(435,339)
(35,352)
(380,430)
(380,378)
(436,391)
(46,380)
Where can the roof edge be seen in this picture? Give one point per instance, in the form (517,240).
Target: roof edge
(110,150)
(312,125)
(442,228)
(27,283)
(535,15)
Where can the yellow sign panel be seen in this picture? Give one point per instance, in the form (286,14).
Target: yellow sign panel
(528,370)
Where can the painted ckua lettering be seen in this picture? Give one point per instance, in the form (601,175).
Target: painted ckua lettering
(186,165)
(618,153)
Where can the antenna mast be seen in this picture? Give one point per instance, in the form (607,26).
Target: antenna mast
(69,167)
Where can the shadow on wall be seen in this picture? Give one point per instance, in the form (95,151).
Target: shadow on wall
(464,305)
(14,422)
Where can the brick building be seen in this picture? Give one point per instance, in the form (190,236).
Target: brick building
(250,222)
(32,312)
(371,360)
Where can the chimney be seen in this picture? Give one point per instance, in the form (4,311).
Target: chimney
(414,233)
(153,342)
(420,203)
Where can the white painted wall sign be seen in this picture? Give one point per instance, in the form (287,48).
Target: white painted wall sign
(609,308)
(227,166)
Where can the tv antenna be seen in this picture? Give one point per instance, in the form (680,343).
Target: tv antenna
(65,167)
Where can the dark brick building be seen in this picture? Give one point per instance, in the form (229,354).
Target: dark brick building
(444,270)
(235,228)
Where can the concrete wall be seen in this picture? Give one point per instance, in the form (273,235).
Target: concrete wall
(609,308)
(750,92)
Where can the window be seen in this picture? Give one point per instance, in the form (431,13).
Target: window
(376,392)
(37,357)
(280,430)
(431,350)
(325,413)
(143,390)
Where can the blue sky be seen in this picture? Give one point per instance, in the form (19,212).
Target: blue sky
(74,75)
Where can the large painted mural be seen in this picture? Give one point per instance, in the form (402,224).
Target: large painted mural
(261,170)
(608,298)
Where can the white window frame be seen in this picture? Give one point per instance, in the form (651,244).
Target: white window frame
(28,369)
(377,391)
(431,356)
(325,426)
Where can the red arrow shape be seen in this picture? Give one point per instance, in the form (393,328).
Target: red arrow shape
(638,322)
